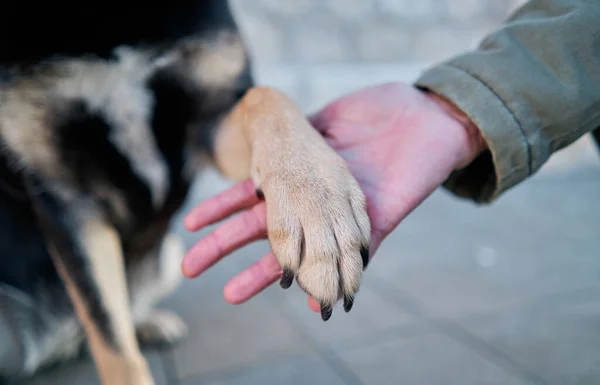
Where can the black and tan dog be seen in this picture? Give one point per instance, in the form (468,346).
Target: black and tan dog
(107,111)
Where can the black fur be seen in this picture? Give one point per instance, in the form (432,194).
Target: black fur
(84,145)
(58,228)
(20,236)
(63,28)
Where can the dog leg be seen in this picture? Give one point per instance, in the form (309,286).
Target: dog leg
(317,222)
(151,281)
(87,254)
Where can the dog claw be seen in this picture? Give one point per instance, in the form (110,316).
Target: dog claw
(259,194)
(287,278)
(326,311)
(348,303)
(364,253)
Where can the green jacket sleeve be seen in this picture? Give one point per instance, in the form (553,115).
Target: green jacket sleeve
(532,87)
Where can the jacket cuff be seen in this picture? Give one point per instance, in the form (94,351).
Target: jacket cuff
(507,162)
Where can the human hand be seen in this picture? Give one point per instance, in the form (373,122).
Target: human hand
(400,144)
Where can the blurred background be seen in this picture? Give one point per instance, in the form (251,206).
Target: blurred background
(318,48)
(507,294)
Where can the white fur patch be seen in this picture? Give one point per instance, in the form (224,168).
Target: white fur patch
(219,61)
(118,91)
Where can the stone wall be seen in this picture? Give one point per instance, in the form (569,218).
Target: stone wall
(312,32)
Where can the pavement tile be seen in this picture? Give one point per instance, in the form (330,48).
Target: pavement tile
(83,372)
(455,259)
(371,316)
(561,344)
(424,359)
(223,336)
(294,371)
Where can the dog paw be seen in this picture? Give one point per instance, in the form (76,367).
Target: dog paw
(161,328)
(318,228)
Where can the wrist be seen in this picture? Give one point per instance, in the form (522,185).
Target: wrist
(473,142)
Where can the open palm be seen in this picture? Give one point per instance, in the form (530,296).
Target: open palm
(399,144)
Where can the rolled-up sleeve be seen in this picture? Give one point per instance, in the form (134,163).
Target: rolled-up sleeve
(532,88)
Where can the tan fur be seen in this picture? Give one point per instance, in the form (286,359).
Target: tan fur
(232,149)
(126,366)
(216,62)
(23,113)
(314,205)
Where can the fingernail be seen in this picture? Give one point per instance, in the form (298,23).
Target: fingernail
(186,269)
(287,278)
(188,222)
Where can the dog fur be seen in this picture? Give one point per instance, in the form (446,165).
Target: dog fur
(107,111)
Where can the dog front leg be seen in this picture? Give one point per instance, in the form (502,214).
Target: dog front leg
(87,253)
(317,221)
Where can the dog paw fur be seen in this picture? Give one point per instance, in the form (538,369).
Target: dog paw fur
(318,228)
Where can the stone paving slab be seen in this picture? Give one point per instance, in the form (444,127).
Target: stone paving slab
(560,344)
(431,359)
(83,372)
(454,259)
(225,337)
(372,316)
(301,370)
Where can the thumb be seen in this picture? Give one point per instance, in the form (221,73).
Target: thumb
(321,119)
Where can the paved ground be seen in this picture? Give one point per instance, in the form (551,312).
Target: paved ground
(458,295)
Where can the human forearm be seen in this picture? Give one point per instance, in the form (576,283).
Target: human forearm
(532,88)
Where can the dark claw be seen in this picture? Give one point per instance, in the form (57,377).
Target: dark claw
(364,253)
(326,311)
(287,278)
(348,303)
(260,194)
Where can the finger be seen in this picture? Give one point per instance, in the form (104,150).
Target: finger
(222,205)
(253,280)
(249,226)
(321,120)
(314,305)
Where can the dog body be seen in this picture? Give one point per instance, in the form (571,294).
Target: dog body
(106,115)
(110,115)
